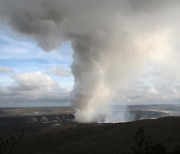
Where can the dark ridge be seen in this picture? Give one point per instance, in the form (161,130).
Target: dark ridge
(105,138)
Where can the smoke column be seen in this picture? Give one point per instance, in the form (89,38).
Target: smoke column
(112,41)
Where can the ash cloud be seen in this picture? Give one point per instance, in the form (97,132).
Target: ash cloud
(112,41)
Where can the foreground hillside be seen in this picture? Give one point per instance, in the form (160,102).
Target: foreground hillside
(101,138)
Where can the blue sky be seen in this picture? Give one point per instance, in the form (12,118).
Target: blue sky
(20,56)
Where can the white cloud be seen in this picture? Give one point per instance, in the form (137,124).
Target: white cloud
(34,80)
(5,69)
(33,87)
(60,71)
(158,91)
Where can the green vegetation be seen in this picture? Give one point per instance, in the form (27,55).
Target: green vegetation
(143,144)
(7,145)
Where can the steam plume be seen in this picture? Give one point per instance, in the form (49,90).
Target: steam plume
(112,40)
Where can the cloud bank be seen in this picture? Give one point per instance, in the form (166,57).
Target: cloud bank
(112,41)
(32,87)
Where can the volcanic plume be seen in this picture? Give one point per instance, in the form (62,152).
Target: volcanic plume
(112,41)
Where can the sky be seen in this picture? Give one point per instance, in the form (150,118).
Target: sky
(30,76)
(102,53)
